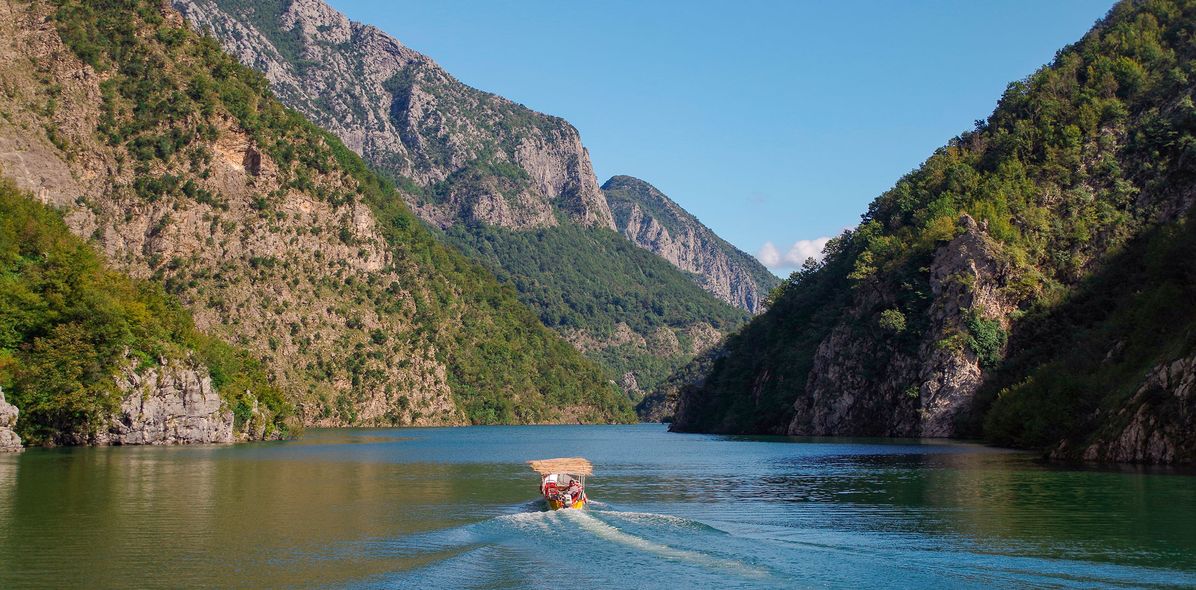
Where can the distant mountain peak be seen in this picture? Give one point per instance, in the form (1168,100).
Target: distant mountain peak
(652,220)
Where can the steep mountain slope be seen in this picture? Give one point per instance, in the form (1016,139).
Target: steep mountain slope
(468,155)
(176,161)
(507,185)
(657,224)
(89,355)
(1028,281)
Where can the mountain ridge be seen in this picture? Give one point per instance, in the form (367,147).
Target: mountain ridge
(402,111)
(508,186)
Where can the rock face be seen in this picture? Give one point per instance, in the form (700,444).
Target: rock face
(169,404)
(9,441)
(654,222)
(967,279)
(475,156)
(868,386)
(1157,424)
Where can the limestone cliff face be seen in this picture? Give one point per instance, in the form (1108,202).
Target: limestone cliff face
(654,222)
(10,442)
(866,385)
(474,156)
(1156,425)
(169,404)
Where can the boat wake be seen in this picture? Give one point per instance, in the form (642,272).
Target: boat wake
(601,546)
(585,547)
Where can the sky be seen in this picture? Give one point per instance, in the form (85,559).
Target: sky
(774,122)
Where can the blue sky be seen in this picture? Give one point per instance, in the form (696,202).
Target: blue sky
(775,123)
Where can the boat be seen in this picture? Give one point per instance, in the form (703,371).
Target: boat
(563,481)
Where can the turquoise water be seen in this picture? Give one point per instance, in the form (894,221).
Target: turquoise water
(420,508)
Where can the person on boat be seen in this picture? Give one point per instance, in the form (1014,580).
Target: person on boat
(550,489)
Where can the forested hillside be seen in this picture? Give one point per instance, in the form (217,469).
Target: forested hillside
(1030,282)
(176,161)
(621,305)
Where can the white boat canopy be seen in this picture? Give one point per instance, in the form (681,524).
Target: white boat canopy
(569,465)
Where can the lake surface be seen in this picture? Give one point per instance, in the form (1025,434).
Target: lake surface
(456,507)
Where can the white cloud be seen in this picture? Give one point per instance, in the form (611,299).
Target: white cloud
(769,255)
(803,249)
(797,254)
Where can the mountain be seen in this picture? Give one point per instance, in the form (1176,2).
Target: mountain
(511,188)
(176,162)
(655,223)
(1029,283)
(463,154)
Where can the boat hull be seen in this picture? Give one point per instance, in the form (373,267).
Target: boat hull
(555,504)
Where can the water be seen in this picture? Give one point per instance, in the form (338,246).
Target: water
(431,508)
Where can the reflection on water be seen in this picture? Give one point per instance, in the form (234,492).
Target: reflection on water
(457,507)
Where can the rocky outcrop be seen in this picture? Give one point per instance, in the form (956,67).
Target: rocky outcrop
(844,397)
(655,223)
(474,156)
(864,383)
(1156,425)
(9,441)
(169,404)
(967,279)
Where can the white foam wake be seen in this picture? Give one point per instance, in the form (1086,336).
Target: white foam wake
(612,534)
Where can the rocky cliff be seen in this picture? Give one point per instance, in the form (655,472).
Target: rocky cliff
(10,442)
(471,156)
(168,404)
(511,188)
(924,387)
(657,224)
(1156,425)
(177,163)
(1028,283)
